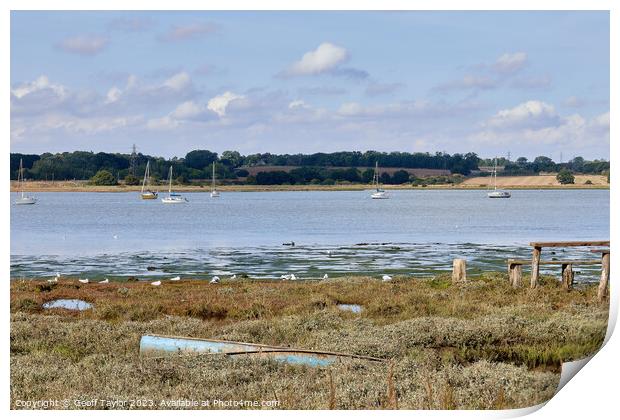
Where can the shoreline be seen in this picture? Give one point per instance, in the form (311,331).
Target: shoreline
(81,186)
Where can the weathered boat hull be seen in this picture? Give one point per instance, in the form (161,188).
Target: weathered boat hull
(157,345)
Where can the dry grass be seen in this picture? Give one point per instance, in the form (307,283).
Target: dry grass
(476,345)
(598,181)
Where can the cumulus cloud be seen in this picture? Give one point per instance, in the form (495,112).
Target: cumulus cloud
(220,103)
(190,31)
(510,62)
(535,126)
(178,82)
(84,44)
(324,58)
(530,114)
(41,83)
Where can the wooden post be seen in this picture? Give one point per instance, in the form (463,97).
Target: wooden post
(459,270)
(515,274)
(602,287)
(535,263)
(567,276)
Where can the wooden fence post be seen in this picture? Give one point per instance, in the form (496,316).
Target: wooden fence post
(459,270)
(602,287)
(535,263)
(515,274)
(567,276)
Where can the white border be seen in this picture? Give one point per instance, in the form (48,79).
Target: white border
(591,395)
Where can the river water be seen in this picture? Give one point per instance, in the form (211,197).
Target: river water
(335,232)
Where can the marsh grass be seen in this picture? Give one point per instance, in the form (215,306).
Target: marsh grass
(480,344)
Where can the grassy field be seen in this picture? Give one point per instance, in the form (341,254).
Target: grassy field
(479,344)
(544,181)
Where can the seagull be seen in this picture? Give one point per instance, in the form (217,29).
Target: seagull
(156,283)
(234,276)
(177,278)
(83,281)
(215,280)
(386,277)
(325,277)
(106,281)
(285,277)
(57,274)
(54,280)
(293,277)
(329,253)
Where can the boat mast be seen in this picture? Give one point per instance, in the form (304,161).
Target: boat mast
(495,174)
(146,175)
(170,184)
(213,178)
(20,177)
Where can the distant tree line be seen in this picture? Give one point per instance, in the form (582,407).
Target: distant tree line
(322,168)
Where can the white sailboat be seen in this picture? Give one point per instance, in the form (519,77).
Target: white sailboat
(497,193)
(23,198)
(214,193)
(379,194)
(146,193)
(173,198)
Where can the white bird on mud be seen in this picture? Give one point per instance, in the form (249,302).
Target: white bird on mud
(325,277)
(234,276)
(386,277)
(215,280)
(106,281)
(156,283)
(293,277)
(285,277)
(83,281)
(177,278)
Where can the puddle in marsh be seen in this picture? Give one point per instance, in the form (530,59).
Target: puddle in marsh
(71,304)
(356,309)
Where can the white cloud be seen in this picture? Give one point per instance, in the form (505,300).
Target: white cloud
(41,83)
(83,44)
(113,95)
(510,62)
(528,114)
(163,123)
(297,104)
(220,103)
(178,82)
(326,57)
(187,110)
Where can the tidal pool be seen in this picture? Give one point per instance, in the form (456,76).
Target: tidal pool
(71,304)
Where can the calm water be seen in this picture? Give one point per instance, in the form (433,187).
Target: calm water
(344,232)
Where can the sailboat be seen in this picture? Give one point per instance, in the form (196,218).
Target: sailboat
(379,194)
(214,193)
(146,193)
(173,198)
(23,198)
(497,193)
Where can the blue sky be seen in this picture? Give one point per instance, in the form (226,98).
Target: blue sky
(532,83)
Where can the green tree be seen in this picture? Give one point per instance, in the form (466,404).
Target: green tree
(400,177)
(565,177)
(199,159)
(103,177)
(131,180)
